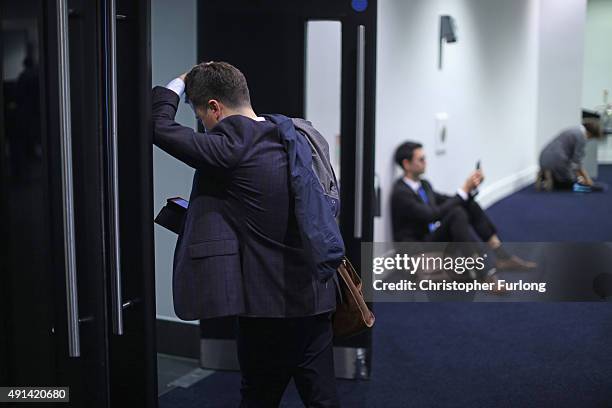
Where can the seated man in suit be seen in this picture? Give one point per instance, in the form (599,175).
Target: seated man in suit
(421,214)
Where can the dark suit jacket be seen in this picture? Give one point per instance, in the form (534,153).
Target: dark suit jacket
(239,251)
(411,216)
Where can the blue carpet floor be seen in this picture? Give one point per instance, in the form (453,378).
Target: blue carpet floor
(481,354)
(535,216)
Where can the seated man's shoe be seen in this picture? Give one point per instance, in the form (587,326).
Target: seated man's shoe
(496,289)
(515,263)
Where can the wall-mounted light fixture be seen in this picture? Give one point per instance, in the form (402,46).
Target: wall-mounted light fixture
(447,34)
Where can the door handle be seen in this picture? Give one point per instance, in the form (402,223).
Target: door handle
(113,193)
(359,130)
(72,296)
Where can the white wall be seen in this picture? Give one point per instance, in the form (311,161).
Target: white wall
(174,51)
(487,87)
(598,63)
(560,66)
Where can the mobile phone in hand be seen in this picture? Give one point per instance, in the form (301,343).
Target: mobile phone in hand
(475,191)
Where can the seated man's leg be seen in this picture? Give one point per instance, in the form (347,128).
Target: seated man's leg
(479,220)
(486,230)
(454,227)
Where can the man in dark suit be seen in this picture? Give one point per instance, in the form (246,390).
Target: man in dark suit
(420,214)
(239,251)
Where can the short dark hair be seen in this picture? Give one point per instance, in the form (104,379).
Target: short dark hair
(217,80)
(593,126)
(405,151)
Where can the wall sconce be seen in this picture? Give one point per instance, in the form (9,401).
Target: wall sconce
(447,34)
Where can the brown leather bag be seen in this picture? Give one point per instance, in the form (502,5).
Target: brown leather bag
(352,315)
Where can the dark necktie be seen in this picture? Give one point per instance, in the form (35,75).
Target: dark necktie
(423,195)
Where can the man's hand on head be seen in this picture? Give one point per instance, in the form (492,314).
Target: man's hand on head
(184,74)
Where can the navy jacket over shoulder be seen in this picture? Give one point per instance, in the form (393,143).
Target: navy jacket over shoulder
(314,210)
(239,251)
